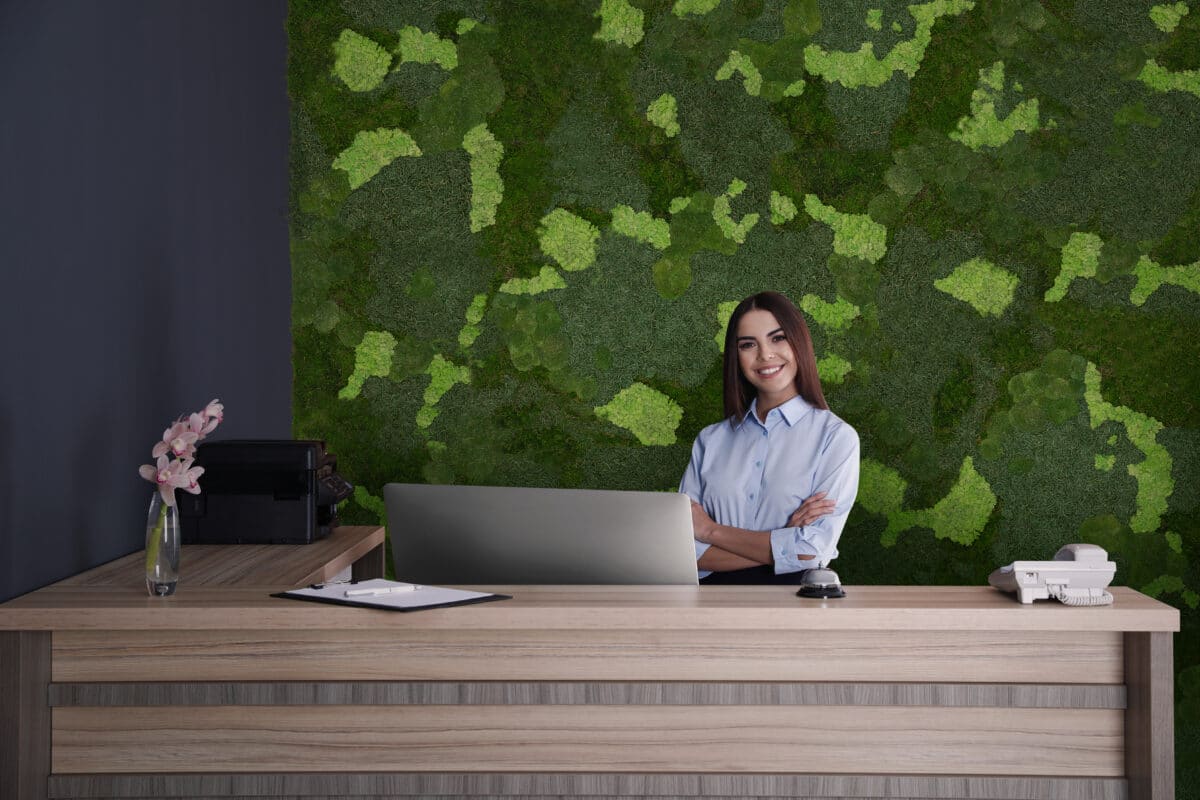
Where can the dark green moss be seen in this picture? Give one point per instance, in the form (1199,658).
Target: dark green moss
(953,398)
(1148,360)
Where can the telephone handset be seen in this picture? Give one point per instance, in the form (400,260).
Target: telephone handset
(1077,577)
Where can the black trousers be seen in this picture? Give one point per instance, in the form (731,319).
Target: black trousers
(764,574)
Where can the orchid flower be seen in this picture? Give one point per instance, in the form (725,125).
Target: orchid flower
(204,422)
(178,440)
(169,475)
(215,411)
(175,452)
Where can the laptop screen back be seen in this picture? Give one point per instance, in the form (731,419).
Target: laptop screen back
(513,535)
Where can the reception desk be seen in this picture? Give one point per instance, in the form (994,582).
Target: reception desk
(594,691)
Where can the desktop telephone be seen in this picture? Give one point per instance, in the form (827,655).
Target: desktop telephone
(1077,577)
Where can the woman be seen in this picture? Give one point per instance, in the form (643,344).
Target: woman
(773,483)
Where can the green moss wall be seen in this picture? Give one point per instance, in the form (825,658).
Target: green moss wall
(518,229)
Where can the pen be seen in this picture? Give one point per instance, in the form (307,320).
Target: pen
(408,587)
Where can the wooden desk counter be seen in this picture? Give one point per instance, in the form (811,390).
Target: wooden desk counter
(597,691)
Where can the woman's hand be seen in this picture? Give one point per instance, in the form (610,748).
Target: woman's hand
(809,511)
(702,523)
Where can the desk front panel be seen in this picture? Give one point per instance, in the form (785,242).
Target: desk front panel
(605,738)
(1088,657)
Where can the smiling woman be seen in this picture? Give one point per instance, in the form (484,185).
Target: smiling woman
(771,490)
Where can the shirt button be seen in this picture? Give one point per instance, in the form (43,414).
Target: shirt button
(764,433)
(752,495)
(758,463)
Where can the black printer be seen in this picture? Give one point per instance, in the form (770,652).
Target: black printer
(262,491)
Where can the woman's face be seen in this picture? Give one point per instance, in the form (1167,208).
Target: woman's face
(766,357)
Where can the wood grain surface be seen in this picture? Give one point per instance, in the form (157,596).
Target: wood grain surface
(821,739)
(687,608)
(210,565)
(579,786)
(307,693)
(589,655)
(1150,718)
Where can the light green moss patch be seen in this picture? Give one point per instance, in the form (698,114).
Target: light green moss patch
(1150,276)
(648,414)
(698,7)
(372,359)
(874,19)
(742,65)
(1105,463)
(982,128)
(465,25)
(419,47)
(371,503)
(854,235)
(960,516)
(679,204)
(662,113)
(833,368)
(487,188)
(545,280)
(1153,474)
(794,89)
(568,239)
(1174,541)
(470,331)
(371,151)
(361,63)
(642,227)
(862,68)
(880,488)
(722,214)
(1161,79)
(1080,259)
(834,317)
(980,284)
(1166,17)
(620,23)
(443,375)
(724,312)
(783,210)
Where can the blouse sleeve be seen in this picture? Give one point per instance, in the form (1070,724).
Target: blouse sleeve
(837,476)
(690,485)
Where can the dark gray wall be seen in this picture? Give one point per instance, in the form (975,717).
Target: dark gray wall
(143,256)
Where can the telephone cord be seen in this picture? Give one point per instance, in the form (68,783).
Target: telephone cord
(1081,597)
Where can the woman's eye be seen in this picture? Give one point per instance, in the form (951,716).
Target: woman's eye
(745,345)
(779,337)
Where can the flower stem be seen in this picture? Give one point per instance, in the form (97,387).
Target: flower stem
(153,541)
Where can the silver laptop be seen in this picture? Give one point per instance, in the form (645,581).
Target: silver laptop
(496,535)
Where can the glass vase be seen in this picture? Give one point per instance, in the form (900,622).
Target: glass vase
(162,547)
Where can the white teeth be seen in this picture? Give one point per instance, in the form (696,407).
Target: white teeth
(769,371)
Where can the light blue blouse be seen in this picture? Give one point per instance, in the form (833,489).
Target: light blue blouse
(754,475)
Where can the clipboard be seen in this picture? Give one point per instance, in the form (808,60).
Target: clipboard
(389,595)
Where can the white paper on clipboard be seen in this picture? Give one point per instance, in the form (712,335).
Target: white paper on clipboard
(421,596)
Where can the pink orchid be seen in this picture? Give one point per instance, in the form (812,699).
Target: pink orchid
(169,475)
(205,422)
(189,478)
(177,440)
(214,411)
(176,451)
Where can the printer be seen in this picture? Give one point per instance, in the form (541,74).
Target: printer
(262,491)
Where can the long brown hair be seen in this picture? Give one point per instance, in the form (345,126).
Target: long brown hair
(739,392)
